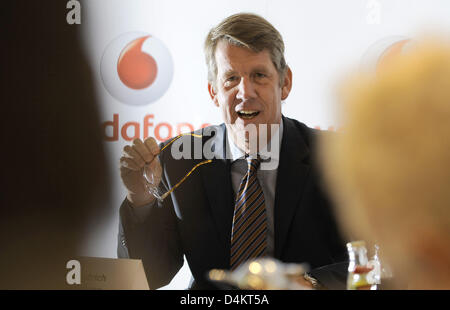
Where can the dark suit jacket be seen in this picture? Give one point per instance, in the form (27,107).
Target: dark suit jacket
(196,220)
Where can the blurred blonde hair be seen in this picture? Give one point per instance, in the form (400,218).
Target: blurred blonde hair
(389,167)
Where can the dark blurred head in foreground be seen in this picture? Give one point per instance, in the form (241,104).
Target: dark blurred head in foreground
(53,176)
(389,168)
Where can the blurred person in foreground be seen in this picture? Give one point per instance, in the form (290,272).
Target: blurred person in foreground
(53,178)
(389,166)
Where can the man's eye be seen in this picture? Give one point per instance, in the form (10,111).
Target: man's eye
(231,81)
(260,75)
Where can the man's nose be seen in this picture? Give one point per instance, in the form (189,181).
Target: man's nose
(246,89)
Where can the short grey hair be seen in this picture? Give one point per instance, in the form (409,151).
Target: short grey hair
(246,30)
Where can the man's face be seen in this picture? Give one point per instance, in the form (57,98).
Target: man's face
(248,88)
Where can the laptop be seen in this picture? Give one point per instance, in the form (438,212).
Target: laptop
(98,273)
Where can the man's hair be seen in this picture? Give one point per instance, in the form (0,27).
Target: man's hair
(250,31)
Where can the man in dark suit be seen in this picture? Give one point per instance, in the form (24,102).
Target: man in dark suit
(248,201)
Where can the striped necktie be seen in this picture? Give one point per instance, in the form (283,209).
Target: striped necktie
(248,234)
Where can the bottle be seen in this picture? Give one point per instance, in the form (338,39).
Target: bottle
(358,268)
(386,279)
(374,276)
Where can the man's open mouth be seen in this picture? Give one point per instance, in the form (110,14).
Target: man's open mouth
(247,114)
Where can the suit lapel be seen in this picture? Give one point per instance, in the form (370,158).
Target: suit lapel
(216,178)
(291,179)
(292,176)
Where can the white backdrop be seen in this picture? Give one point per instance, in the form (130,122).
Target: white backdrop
(323,38)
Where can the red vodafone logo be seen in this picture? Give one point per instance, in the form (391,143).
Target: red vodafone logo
(384,51)
(136,68)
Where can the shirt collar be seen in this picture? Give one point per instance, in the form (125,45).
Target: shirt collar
(237,153)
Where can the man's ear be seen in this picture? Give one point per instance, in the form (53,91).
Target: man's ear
(287,84)
(213,94)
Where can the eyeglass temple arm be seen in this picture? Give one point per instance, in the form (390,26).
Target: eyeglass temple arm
(192,170)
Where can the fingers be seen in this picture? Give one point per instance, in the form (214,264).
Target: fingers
(139,154)
(144,152)
(131,152)
(131,159)
(151,144)
(126,162)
